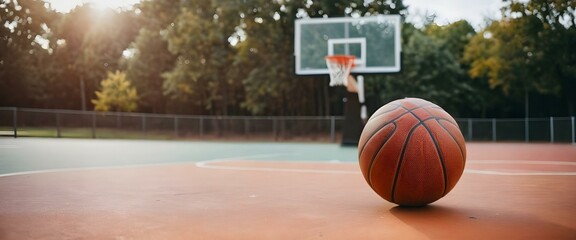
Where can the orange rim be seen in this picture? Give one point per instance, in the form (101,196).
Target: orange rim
(341,59)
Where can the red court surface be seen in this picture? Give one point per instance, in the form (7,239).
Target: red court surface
(508,191)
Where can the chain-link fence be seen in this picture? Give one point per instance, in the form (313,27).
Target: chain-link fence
(87,124)
(552,129)
(19,122)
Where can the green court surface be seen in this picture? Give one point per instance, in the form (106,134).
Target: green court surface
(45,154)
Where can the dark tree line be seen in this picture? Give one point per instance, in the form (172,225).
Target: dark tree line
(207,57)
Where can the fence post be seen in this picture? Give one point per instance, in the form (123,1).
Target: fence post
(93,124)
(470,135)
(144,123)
(332,128)
(15,121)
(275,128)
(246,127)
(572,129)
(176,126)
(494,129)
(201,130)
(552,129)
(118,120)
(58,125)
(526,129)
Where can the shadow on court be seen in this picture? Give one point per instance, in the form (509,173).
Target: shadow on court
(440,222)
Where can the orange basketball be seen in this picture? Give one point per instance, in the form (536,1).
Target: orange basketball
(412,152)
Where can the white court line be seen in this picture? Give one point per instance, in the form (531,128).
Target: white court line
(502,173)
(207,164)
(521,162)
(56,170)
(126,166)
(9,146)
(488,172)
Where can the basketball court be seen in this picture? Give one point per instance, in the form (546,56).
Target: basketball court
(116,189)
(119,189)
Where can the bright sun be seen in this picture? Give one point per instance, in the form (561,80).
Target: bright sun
(67,5)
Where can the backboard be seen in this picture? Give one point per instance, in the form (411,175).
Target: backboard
(374,41)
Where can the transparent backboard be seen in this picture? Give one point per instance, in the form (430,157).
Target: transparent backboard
(374,41)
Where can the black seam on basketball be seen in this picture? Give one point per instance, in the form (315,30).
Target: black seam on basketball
(454,138)
(380,127)
(382,113)
(369,171)
(386,123)
(442,162)
(451,121)
(393,193)
(436,145)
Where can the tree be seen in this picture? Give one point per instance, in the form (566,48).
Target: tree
(475,98)
(151,57)
(116,95)
(145,68)
(88,43)
(531,51)
(24,24)
(199,39)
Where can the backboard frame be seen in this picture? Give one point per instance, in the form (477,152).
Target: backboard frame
(361,65)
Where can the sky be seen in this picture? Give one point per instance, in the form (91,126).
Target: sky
(449,11)
(67,5)
(446,11)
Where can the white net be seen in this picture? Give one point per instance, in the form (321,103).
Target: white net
(339,69)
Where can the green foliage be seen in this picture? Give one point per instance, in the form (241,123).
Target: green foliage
(145,68)
(531,50)
(117,94)
(21,23)
(200,42)
(429,71)
(210,57)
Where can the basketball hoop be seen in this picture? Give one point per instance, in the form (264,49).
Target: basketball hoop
(339,67)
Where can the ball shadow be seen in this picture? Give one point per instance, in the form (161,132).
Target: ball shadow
(441,222)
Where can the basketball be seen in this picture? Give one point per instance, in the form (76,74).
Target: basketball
(411,152)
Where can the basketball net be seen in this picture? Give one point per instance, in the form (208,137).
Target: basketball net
(339,67)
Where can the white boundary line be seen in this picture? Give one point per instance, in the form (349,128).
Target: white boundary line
(8,146)
(127,166)
(521,162)
(488,172)
(208,165)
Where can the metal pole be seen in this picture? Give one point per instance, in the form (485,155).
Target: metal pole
(552,129)
(58,125)
(362,99)
(526,115)
(201,130)
(470,129)
(143,123)
(332,129)
(176,126)
(82,93)
(526,129)
(494,129)
(93,124)
(572,129)
(246,126)
(118,120)
(275,129)
(15,121)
